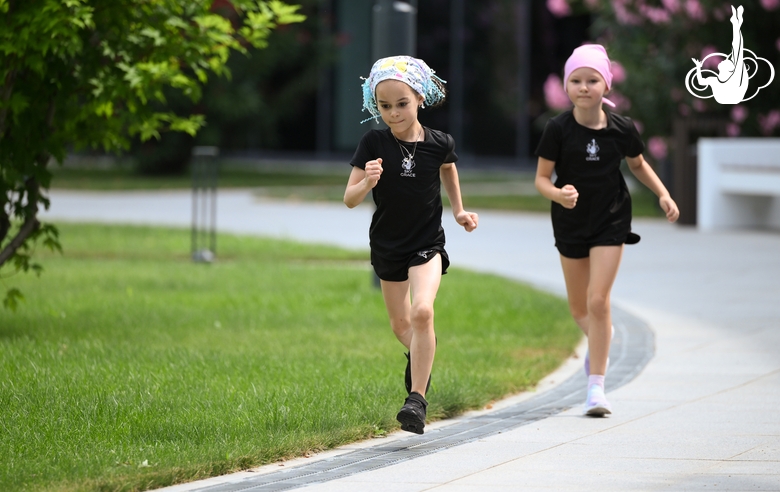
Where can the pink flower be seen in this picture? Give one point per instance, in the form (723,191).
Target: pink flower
(722,13)
(684,109)
(655,15)
(618,73)
(694,10)
(554,95)
(712,61)
(622,103)
(699,105)
(769,122)
(739,113)
(640,127)
(558,8)
(657,147)
(672,6)
(733,130)
(770,4)
(623,15)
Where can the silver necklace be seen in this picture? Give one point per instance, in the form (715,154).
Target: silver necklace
(408,157)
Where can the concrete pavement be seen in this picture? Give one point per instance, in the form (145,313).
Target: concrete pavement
(703,413)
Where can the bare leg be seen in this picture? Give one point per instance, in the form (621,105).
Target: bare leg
(412,322)
(397,301)
(604,264)
(576,273)
(588,285)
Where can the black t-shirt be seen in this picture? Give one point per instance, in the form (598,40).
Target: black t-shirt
(590,161)
(408,201)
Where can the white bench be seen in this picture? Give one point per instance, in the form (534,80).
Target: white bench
(738,183)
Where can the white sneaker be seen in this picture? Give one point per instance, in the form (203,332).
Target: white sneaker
(596,405)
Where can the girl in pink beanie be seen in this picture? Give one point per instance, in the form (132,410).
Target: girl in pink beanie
(591,206)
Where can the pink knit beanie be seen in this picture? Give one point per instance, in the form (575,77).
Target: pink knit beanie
(592,56)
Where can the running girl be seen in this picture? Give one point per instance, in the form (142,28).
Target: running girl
(591,207)
(403,167)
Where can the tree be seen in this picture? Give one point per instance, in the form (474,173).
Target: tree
(278,87)
(269,102)
(78,74)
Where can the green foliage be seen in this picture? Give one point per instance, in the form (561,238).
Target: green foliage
(268,102)
(12,298)
(274,86)
(79,74)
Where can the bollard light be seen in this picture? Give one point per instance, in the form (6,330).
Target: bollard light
(205,171)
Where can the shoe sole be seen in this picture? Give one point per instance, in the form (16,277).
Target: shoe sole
(597,411)
(410,422)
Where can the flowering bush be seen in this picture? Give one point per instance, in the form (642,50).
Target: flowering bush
(653,42)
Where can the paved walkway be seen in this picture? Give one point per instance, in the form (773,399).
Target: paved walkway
(702,415)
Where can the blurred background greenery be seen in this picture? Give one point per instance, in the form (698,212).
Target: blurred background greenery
(298,99)
(293,102)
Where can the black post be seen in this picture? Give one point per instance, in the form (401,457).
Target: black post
(457,63)
(205,171)
(394,29)
(523,43)
(687,132)
(325,85)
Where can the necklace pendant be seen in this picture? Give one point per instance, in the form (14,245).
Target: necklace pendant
(407,163)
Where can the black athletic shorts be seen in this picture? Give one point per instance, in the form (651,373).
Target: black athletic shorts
(398,271)
(582,250)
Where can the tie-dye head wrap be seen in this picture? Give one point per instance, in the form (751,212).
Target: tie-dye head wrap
(412,71)
(591,56)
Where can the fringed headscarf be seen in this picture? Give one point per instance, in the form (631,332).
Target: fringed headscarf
(412,71)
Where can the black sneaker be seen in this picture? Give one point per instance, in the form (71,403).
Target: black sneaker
(412,414)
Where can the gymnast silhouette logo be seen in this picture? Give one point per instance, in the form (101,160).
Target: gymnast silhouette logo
(730,84)
(593,151)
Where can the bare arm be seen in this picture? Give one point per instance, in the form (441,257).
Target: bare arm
(449,178)
(451,182)
(361,182)
(645,174)
(566,196)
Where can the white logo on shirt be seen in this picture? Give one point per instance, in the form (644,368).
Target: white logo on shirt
(407,165)
(593,149)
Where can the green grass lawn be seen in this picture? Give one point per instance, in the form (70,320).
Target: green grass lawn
(128,367)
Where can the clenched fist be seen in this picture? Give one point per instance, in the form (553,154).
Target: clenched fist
(569,195)
(373,172)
